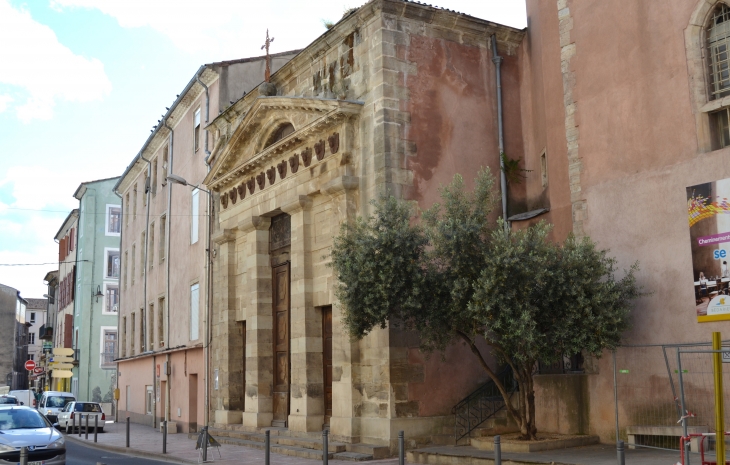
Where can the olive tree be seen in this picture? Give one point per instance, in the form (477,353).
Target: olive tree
(455,274)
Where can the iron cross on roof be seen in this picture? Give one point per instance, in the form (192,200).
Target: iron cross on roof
(267,76)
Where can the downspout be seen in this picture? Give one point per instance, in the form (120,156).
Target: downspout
(168,256)
(119,312)
(91,303)
(208,269)
(497,60)
(148,190)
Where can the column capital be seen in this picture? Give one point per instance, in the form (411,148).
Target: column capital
(223,236)
(340,184)
(302,202)
(259,223)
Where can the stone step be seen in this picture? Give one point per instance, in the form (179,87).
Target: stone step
(310,443)
(378,452)
(352,457)
(276,448)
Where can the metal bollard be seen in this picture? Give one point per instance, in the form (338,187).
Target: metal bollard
(164,437)
(620,452)
(497,450)
(127,431)
(205,444)
(23,456)
(325,447)
(73,424)
(267,447)
(96,426)
(81,419)
(401,448)
(86,427)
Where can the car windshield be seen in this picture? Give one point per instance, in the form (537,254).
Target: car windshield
(8,400)
(58,401)
(21,419)
(80,407)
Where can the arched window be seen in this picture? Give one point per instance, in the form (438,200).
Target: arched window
(718,46)
(283,131)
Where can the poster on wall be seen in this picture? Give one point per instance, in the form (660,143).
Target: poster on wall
(708,211)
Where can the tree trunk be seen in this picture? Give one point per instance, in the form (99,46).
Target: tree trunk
(526,420)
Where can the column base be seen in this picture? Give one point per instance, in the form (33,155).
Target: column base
(257,420)
(228,417)
(306,424)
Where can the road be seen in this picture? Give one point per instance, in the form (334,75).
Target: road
(78,454)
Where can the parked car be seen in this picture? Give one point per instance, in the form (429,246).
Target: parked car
(53,402)
(76,412)
(26,397)
(9,400)
(22,426)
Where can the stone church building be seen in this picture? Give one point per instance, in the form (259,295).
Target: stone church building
(396,97)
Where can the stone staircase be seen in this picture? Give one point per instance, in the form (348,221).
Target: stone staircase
(283,442)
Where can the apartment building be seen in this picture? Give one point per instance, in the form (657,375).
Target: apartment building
(164,285)
(13,338)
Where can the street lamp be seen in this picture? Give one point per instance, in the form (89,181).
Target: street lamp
(180,180)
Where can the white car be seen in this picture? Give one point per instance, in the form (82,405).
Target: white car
(76,412)
(22,426)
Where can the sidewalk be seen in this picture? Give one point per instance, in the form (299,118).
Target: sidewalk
(146,442)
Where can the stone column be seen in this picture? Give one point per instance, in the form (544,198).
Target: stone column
(345,353)
(259,322)
(307,384)
(226,400)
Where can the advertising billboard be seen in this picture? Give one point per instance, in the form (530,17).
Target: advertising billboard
(708,211)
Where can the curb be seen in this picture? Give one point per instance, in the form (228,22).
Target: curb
(129,451)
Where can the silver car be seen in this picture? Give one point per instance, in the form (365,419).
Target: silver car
(22,426)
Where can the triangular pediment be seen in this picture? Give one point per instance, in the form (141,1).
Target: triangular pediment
(245,149)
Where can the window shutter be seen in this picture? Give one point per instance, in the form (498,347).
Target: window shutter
(68,331)
(71,238)
(73,282)
(194,311)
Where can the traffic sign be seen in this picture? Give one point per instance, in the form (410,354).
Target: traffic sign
(38,370)
(30,365)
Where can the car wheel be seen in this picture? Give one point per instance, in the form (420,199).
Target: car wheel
(101,430)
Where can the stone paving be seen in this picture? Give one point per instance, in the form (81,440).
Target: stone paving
(145,441)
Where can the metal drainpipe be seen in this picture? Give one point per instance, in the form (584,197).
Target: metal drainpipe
(148,189)
(208,269)
(119,312)
(91,304)
(168,256)
(497,60)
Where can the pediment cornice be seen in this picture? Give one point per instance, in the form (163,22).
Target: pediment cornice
(239,155)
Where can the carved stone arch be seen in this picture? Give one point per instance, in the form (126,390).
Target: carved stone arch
(697,68)
(272,135)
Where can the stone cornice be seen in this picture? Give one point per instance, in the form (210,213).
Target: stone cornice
(259,223)
(302,202)
(339,185)
(227,167)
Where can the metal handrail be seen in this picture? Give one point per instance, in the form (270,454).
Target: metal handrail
(482,404)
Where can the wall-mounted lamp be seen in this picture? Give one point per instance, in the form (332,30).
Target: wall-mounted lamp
(98,293)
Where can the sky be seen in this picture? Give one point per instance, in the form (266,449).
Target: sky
(82,82)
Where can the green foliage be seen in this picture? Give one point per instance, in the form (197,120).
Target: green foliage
(458,275)
(512,170)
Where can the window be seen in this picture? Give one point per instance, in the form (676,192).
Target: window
(109,347)
(31,338)
(543,168)
(720,129)
(151,247)
(153,184)
(134,251)
(196,130)
(134,204)
(142,323)
(151,327)
(126,207)
(142,254)
(31,356)
(148,399)
(164,166)
(124,336)
(112,298)
(163,230)
(32,317)
(112,264)
(113,220)
(194,226)
(126,264)
(194,311)
(161,322)
(132,332)
(146,189)
(718,40)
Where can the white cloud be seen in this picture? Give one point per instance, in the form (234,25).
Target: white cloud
(226,29)
(32,59)
(4,101)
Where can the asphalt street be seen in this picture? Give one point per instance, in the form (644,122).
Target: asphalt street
(78,454)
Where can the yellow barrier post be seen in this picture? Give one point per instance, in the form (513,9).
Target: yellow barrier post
(719,407)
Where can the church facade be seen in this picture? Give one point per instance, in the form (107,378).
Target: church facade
(397,97)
